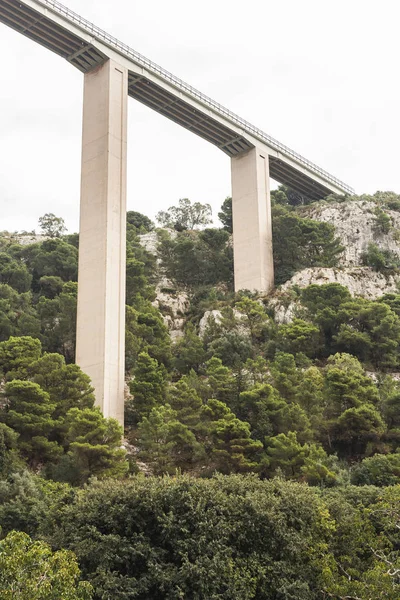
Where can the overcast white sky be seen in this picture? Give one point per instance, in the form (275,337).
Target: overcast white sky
(320,76)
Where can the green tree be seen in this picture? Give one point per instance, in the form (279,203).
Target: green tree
(58,321)
(255,319)
(370,330)
(380,470)
(146,332)
(186,402)
(231,447)
(29,413)
(50,286)
(221,381)
(347,385)
(165,443)
(383,223)
(310,395)
(17,355)
(269,414)
(232,348)
(17,314)
(14,273)
(9,458)
(52,226)
(286,376)
(300,242)
(357,432)
(148,388)
(231,538)
(392,300)
(380,260)
(307,462)
(186,215)
(140,222)
(198,258)
(31,571)
(225,215)
(188,352)
(299,336)
(53,257)
(67,386)
(323,303)
(94,448)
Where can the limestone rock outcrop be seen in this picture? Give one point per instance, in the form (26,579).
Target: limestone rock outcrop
(355,225)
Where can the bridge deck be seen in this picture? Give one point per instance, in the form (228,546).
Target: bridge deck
(85,46)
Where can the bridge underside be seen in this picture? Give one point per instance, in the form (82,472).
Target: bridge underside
(86,56)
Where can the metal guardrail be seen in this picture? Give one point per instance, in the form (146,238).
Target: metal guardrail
(191,91)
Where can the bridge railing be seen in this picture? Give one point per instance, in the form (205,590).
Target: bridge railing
(191,91)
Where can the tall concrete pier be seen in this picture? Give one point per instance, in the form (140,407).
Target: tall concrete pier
(251,215)
(100,340)
(113,71)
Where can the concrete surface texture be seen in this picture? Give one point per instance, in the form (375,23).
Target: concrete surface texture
(252,228)
(100,345)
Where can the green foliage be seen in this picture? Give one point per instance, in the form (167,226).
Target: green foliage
(52,226)
(193,259)
(254,319)
(186,215)
(225,215)
(53,257)
(357,432)
(188,352)
(167,443)
(9,458)
(148,388)
(232,348)
(26,499)
(17,355)
(140,222)
(300,243)
(146,332)
(380,260)
(299,336)
(231,538)
(29,413)
(383,223)
(307,462)
(347,385)
(48,418)
(31,571)
(14,273)
(94,448)
(380,470)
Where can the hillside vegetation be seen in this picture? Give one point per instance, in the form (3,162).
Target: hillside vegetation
(260,457)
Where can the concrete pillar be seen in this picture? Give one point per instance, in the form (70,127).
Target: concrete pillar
(252,228)
(100,343)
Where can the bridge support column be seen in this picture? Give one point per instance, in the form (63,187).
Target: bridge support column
(100,343)
(252,228)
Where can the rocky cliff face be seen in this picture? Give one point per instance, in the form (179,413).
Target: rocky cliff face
(173,304)
(356,226)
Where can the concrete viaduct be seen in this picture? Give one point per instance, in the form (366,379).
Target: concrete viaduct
(112,72)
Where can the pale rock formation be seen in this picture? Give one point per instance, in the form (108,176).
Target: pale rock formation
(25,239)
(355,225)
(206,318)
(217,316)
(150,240)
(360,281)
(173,307)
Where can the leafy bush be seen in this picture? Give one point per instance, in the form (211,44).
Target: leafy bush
(380,260)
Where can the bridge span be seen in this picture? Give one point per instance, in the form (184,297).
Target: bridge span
(113,71)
